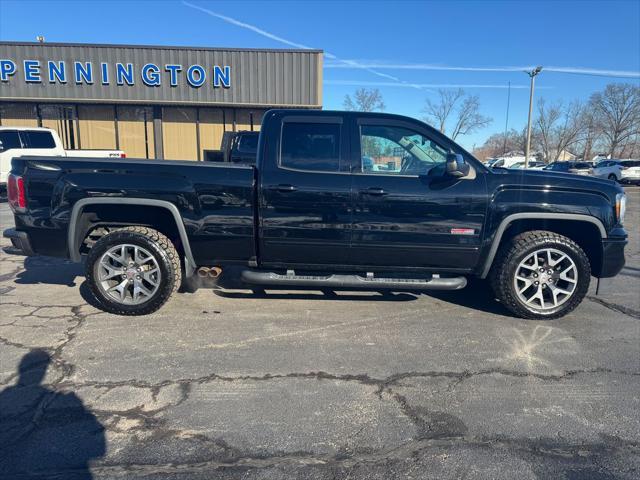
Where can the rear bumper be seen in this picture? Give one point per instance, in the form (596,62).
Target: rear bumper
(612,257)
(20,241)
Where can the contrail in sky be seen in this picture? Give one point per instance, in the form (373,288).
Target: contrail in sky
(264,33)
(426,66)
(357,83)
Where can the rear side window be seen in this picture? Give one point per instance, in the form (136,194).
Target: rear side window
(9,139)
(34,139)
(631,163)
(311,146)
(582,165)
(248,143)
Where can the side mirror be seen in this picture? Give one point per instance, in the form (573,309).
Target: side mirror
(456,166)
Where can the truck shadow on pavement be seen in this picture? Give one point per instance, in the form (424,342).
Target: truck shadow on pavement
(43,432)
(477,295)
(49,270)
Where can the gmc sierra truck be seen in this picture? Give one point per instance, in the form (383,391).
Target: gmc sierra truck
(334,200)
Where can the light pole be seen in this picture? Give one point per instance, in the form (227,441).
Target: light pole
(531,74)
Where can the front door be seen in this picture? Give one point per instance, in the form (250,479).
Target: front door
(407,212)
(305,204)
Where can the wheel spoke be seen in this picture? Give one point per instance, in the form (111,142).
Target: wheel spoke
(565,277)
(527,283)
(111,272)
(151,277)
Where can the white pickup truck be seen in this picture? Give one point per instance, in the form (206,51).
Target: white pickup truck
(21,141)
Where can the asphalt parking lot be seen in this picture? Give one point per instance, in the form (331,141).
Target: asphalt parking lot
(235,384)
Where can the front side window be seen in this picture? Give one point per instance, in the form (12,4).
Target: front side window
(390,150)
(9,139)
(35,139)
(311,146)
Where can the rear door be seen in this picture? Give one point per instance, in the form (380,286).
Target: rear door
(406,212)
(305,192)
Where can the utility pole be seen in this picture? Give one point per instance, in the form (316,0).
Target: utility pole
(506,123)
(532,74)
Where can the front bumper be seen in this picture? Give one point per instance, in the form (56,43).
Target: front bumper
(612,256)
(20,241)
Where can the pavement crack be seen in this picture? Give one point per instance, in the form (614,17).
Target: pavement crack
(615,307)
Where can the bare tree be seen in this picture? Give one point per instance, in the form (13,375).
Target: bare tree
(591,133)
(364,101)
(454,102)
(617,111)
(558,128)
(544,125)
(439,112)
(469,118)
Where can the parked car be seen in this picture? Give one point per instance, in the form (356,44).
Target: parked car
(532,164)
(504,162)
(630,172)
(20,141)
(611,169)
(236,147)
(578,168)
(306,214)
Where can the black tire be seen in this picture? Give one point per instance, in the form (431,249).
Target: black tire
(163,251)
(612,177)
(518,248)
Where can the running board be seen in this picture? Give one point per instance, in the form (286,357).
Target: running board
(352,281)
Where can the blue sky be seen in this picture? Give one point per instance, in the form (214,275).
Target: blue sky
(375,44)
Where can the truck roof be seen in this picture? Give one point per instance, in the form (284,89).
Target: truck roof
(41,129)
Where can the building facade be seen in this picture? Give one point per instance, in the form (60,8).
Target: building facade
(151,102)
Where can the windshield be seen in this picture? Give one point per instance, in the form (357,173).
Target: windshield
(9,139)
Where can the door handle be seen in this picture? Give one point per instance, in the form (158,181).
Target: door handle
(373,191)
(286,188)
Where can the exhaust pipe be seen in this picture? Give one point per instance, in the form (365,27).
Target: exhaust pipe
(209,272)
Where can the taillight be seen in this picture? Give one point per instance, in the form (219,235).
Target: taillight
(15,191)
(123,155)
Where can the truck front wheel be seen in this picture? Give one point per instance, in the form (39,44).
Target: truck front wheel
(133,270)
(541,275)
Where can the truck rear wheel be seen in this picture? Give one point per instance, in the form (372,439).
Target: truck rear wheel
(133,270)
(541,275)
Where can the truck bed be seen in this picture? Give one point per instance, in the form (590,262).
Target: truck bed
(214,201)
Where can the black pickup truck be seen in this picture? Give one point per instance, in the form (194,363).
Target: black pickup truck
(335,200)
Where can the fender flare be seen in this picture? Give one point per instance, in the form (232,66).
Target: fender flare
(509,219)
(72,241)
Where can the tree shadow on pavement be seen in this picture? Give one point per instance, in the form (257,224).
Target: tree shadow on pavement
(44,433)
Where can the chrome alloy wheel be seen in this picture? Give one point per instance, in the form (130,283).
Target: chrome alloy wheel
(545,279)
(128,274)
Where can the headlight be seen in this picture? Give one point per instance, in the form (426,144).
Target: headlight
(621,207)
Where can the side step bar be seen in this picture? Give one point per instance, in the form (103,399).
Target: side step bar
(352,281)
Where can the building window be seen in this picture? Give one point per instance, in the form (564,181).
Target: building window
(62,119)
(97,126)
(18,115)
(135,131)
(179,134)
